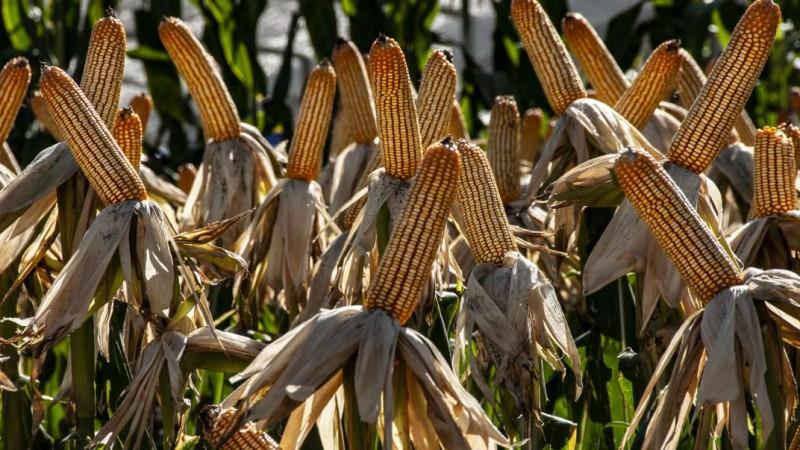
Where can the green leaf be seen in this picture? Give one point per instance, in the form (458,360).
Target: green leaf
(14,19)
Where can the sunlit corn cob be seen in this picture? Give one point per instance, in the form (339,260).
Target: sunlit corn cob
(128,134)
(355,91)
(552,63)
(406,265)
(105,63)
(437,91)
(653,84)
(217,422)
(774,173)
(504,147)
(676,226)
(314,118)
(793,133)
(457,129)
(39,108)
(217,110)
(705,130)
(111,175)
(603,72)
(485,221)
(142,105)
(530,137)
(397,113)
(14,80)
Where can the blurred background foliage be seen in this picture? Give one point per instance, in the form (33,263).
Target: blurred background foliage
(57,32)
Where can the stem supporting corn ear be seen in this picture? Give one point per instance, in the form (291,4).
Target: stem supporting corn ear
(774,174)
(217,110)
(111,175)
(684,237)
(406,264)
(305,156)
(552,63)
(704,131)
(14,80)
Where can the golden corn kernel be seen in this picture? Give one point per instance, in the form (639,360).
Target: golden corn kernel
(217,422)
(355,91)
(504,147)
(128,134)
(437,92)
(105,63)
(14,80)
(530,134)
(142,105)
(457,128)
(774,174)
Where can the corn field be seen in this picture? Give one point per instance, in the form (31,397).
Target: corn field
(593,244)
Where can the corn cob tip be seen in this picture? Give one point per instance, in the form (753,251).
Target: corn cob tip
(109,12)
(673,45)
(18,62)
(126,112)
(445,53)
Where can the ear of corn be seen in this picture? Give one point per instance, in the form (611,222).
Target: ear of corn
(142,105)
(111,175)
(397,113)
(530,134)
(105,63)
(504,147)
(39,108)
(405,266)
(676,226)
(552,63)
(793,133)
(598,65)
(217,110)
(305,156)
(774,174)
(14,80)
(437,92)
(128,134)
(355,91)
(704,131)
(457,129)
(217,423)
(485,222)
(654,82)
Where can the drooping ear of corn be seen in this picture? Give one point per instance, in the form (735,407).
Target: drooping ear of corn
(774,174)
(654,82)
(39,108)
(14,80)
(504,147)
(405,266)
(216,424)
(704,132)
(437,92)
(128,134)
(457,129)
(142,105)
(397,113)
(603,72)
(217,110)
(111,175)
(676,226)
(485,222)
(559,78)
(305,155)
(355,91)
(530,134)
(105,63)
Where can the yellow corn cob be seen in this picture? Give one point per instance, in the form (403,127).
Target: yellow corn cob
(128,134)
(305,156)
(217,110)
(111,175)
(437,92)
(530,134)
(397,114)
(704,131)
(793,133)
(654,82)
(552,63)
(504,147)
(457,129)
(603,72)
(794,100)
(406,266)
(142,105)
(39,108)
(676,226)
(217,422)
(773,174)
(355,91)
(341,132)
(485,221)
(105,63)
(14,80)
